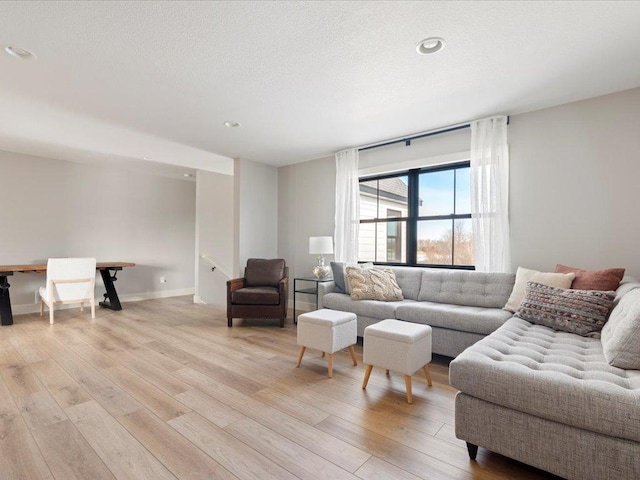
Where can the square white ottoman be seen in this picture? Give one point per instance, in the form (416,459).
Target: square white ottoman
(328,331)
(399,346)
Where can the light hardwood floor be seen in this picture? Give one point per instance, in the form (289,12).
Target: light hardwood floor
(164,389)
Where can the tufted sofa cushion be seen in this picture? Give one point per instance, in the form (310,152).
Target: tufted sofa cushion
(474,289)
(553,375)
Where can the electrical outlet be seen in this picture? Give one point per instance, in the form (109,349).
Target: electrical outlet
(163,280)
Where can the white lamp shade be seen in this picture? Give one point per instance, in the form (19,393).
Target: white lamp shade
(320,245)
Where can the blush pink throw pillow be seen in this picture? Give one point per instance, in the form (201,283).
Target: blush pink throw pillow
(604,280)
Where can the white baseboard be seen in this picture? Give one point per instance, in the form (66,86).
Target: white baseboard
(128,297)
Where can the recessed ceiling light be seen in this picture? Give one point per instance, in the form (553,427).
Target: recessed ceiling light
(430,45)
(231,124)
(18,52)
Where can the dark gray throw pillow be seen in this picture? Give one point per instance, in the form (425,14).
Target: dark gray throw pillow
(338,277)
(583,312)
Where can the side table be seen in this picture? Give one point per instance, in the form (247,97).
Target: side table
(306,290)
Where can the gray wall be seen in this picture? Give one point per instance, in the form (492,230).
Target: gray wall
(255,212)
(57,208)
(214,236)
(574,195)
(573,192)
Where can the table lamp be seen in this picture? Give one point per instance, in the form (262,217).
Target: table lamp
(321,246)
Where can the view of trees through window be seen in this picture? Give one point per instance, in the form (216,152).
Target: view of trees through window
(419,217)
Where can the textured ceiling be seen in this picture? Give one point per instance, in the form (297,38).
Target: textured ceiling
(305,79)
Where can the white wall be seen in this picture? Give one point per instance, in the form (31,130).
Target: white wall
(255,212)
(214,236)
(574,195)
(57,208)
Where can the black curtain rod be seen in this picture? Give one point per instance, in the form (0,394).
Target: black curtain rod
(407,140)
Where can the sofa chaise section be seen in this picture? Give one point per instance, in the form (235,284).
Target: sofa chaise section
(551,400)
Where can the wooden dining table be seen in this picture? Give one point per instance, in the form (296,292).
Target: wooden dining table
(111,299)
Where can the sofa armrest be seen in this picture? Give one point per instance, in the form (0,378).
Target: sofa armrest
(323,289)
(235,284)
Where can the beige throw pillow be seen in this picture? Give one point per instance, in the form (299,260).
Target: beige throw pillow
(362,266)
(524,275)
(374,284)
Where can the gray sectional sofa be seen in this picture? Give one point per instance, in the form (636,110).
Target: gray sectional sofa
(546,398)
(552,399)
(461,306)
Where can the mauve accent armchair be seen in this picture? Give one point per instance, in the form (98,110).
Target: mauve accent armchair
(261,293)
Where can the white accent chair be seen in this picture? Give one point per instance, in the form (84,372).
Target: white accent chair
(69,280)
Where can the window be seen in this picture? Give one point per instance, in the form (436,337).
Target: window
(420,217)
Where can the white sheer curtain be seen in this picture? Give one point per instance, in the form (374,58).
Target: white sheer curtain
(347,206)
(490,194)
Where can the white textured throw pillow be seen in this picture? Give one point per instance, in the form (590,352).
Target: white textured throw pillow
(374,284)
(524,275)
(363,266)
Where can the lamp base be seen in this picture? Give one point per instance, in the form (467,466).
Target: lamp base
(322,272)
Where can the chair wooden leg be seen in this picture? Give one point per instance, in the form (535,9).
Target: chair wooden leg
(51,314)
(407,382)
(352,352)
(300,355)
(330,364)
(282,323)
(367,374)
(41,308)
(82,306)
(427,374)
(93,308)
(229,322)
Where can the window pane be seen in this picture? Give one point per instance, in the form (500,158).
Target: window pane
(463,242)
(434,242)
(463,191)
(368,200)
(367,242)
(395,242)
(436,193)
(393,197)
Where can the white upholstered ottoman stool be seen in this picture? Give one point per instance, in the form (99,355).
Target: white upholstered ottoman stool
(399,346)
(328,331)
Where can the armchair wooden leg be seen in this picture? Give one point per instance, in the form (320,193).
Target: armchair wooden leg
(41,308)
(93,309)
(229,322)
(82,306)
(302,349)
(51,314)
(367,374)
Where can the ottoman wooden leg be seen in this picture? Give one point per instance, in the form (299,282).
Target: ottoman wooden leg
(407,382)
(387,372)
(330,363)
(367,374)
(352,352)
(302,349)
(427,374)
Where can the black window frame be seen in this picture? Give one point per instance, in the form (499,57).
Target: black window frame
(413,217)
